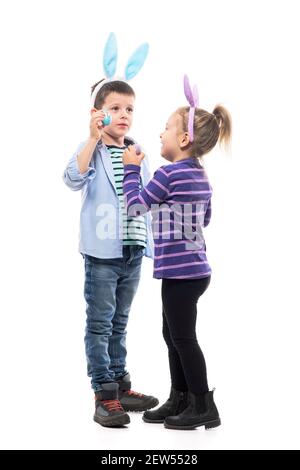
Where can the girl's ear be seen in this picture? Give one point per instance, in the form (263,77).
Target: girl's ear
(136,61)
(110,56)
(184,140)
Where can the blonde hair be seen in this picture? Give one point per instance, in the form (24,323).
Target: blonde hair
(209,128)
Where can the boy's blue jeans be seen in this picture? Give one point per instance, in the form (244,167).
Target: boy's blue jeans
(110,286)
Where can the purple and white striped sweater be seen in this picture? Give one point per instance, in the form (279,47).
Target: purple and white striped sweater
(179,197)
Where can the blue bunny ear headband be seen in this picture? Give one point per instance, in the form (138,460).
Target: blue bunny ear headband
(110,55)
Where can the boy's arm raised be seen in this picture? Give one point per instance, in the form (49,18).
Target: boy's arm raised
(72,176)
(85,156)
(79,171)
(96,127)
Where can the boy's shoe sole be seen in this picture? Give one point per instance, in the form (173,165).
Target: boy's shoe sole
(109,422)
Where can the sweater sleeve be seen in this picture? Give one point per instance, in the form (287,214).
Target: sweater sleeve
(155,192)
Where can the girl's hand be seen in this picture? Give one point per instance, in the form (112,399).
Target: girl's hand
(96,125)
(130,157)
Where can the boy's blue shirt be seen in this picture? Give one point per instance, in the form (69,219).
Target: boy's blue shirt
(98,188)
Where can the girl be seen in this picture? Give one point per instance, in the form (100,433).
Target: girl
(179,196)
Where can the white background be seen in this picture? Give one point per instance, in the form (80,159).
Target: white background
(241,53)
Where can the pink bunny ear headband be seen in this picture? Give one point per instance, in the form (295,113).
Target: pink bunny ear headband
(193,99)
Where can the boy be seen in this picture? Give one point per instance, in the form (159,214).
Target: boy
(112,245)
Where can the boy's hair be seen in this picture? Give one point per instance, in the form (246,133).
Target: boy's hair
(208,128)
(116,86)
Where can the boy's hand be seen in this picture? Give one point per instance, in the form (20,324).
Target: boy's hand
(96,125)
(130,157)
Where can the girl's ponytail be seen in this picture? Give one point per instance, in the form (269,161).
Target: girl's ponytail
(224,122)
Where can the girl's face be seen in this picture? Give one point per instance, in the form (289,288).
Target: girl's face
(120,107)
(171,137)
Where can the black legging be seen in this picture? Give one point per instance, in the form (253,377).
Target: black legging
(186,360)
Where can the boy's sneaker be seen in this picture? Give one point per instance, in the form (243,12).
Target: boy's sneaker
(108,409)
(134,401)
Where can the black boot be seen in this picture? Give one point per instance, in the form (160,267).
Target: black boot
(134,401)
(202,411)
(108,410)
(175,404)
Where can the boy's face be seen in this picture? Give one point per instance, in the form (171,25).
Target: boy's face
(171,137)
(120,107)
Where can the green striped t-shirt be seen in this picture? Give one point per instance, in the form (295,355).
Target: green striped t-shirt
(134,228)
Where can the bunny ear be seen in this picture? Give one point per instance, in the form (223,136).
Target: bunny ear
(136,61)
(188,91)
(196,96)
(110,56)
